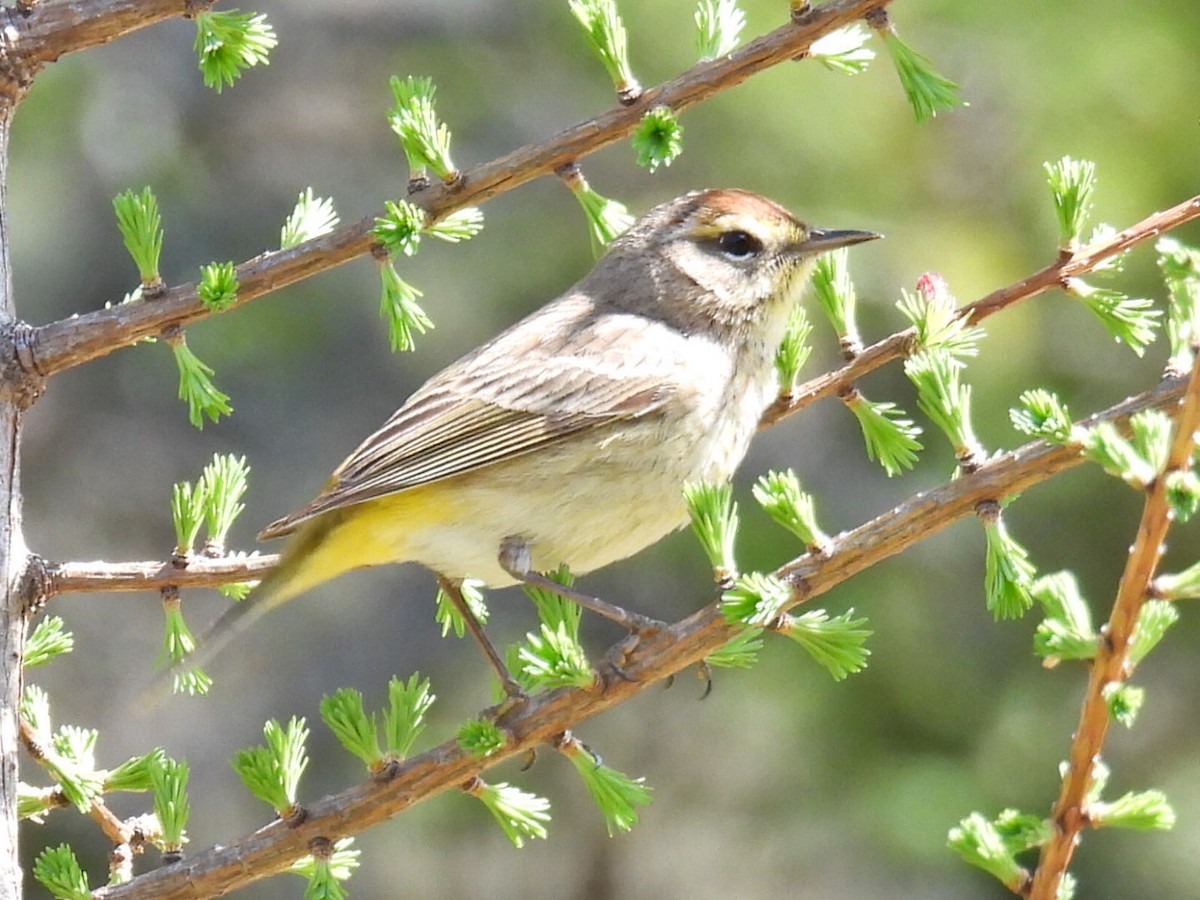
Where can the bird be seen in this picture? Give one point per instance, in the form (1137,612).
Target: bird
(568,437)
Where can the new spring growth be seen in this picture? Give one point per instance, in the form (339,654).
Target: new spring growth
(756,599)
(739,652)
(553,656)
(658,138)
(1140,810)
(889,435)
(933,311)
(171,805)
(1008,572)
(780,495)
(347,718)
(835,643)
(927,91)
(224,481)
(187,514)
(68,755)
(1150,432)
(834,291)
(399,308)
(480,737)
(1180,266)
(1131,320)
(1183,585)
(1124,701)
(426,141)
(1042,414)
(979,842)
(554,609)
(1105,445)
(325,871)
(191,681)
(272,772)
(719,25)
(59,872)
(520,814)
(33,803)
(1154,618)
(177,643)
(218,286)
(605,34)
(1072,183)
(35,712)
(47,640)
(214,501)
(135,773)
(1183,493)
(312,217)
(400,228)
(449,616)
(616,794)
(943,397)
(74,748)
(141,230)
(793,351)
(715,521)
(228,42)
(403,721)
(196,387)
(843,51)
(606,219)
(1067,631)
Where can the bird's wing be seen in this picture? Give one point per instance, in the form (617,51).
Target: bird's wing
(511,397)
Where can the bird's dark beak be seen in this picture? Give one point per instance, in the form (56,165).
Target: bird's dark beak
(821,240)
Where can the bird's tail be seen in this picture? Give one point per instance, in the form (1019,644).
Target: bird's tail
(294,574)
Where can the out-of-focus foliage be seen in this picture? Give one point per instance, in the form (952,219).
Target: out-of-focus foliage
(783,782)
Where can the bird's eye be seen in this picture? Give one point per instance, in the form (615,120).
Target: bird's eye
(739,244)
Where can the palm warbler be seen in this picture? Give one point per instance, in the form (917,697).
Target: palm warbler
(568,437)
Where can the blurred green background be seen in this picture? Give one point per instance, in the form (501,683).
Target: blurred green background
(781,783)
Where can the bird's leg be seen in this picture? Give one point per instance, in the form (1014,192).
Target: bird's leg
(453,590)
(515,560)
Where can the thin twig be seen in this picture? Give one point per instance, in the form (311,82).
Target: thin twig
(56,346)
(1112,662)
(675,648)
(196,571)
(897,345)
(112,826)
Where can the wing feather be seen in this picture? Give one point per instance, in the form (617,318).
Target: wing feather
(513,396)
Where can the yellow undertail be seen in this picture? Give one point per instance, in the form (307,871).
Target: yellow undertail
(366,534)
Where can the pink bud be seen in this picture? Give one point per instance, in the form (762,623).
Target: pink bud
(933,287)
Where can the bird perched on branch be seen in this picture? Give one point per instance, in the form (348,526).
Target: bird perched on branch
(569,437)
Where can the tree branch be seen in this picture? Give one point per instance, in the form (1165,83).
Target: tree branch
(48,349)
(676,647)
(195,571)
(34,34)
(1112,663)
(13,564)
(1068,265)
